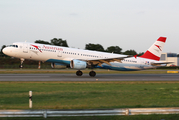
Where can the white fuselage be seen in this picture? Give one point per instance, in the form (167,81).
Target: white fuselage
(63,55)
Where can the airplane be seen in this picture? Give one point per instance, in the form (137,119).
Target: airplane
(80,59)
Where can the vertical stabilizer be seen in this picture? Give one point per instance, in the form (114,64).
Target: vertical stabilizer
(155,51)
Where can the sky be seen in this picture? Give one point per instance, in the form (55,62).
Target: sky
(129,24)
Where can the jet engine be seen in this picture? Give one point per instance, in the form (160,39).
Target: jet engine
(58,65)
(78,64)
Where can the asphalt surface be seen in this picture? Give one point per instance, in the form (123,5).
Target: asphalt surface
(86,77)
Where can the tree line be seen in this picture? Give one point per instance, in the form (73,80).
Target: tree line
(90,46)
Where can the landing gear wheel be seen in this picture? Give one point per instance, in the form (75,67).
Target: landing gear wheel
(92,73)
(20,66)
(79,73)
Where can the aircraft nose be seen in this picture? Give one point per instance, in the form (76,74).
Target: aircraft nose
(5,51)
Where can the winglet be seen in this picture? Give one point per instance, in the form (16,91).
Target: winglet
(155,51)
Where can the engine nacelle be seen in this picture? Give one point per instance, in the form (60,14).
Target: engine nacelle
(78,64)
(58,65)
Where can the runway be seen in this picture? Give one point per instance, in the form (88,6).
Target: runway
(86,77)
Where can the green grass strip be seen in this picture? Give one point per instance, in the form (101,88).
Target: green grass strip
(89,95)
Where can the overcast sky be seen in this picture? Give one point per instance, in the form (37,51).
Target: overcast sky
(129,24)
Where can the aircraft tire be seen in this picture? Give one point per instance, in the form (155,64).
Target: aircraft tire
(79,73)
(20,66)
(92,73)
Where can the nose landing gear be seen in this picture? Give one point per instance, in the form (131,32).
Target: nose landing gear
(22,60)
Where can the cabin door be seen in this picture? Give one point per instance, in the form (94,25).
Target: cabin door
(59,53)
(25,48)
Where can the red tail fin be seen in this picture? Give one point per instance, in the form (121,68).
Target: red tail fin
(154,52)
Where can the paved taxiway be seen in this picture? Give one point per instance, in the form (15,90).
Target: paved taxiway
(86,77)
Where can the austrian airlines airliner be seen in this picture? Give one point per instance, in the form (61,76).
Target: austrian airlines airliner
(80,59)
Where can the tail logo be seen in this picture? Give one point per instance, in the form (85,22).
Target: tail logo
(159,47)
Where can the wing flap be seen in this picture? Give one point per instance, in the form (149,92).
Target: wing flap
(99,62)
(159,63)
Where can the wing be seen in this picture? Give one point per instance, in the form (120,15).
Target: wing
(158,63)
(99,62)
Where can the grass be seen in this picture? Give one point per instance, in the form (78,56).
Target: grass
(89,95)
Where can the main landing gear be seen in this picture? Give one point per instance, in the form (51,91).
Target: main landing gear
(92,73)
(80,73)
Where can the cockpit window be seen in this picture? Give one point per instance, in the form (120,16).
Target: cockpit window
(16,46)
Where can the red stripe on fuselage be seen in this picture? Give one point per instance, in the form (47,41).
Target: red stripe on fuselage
(151,56)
